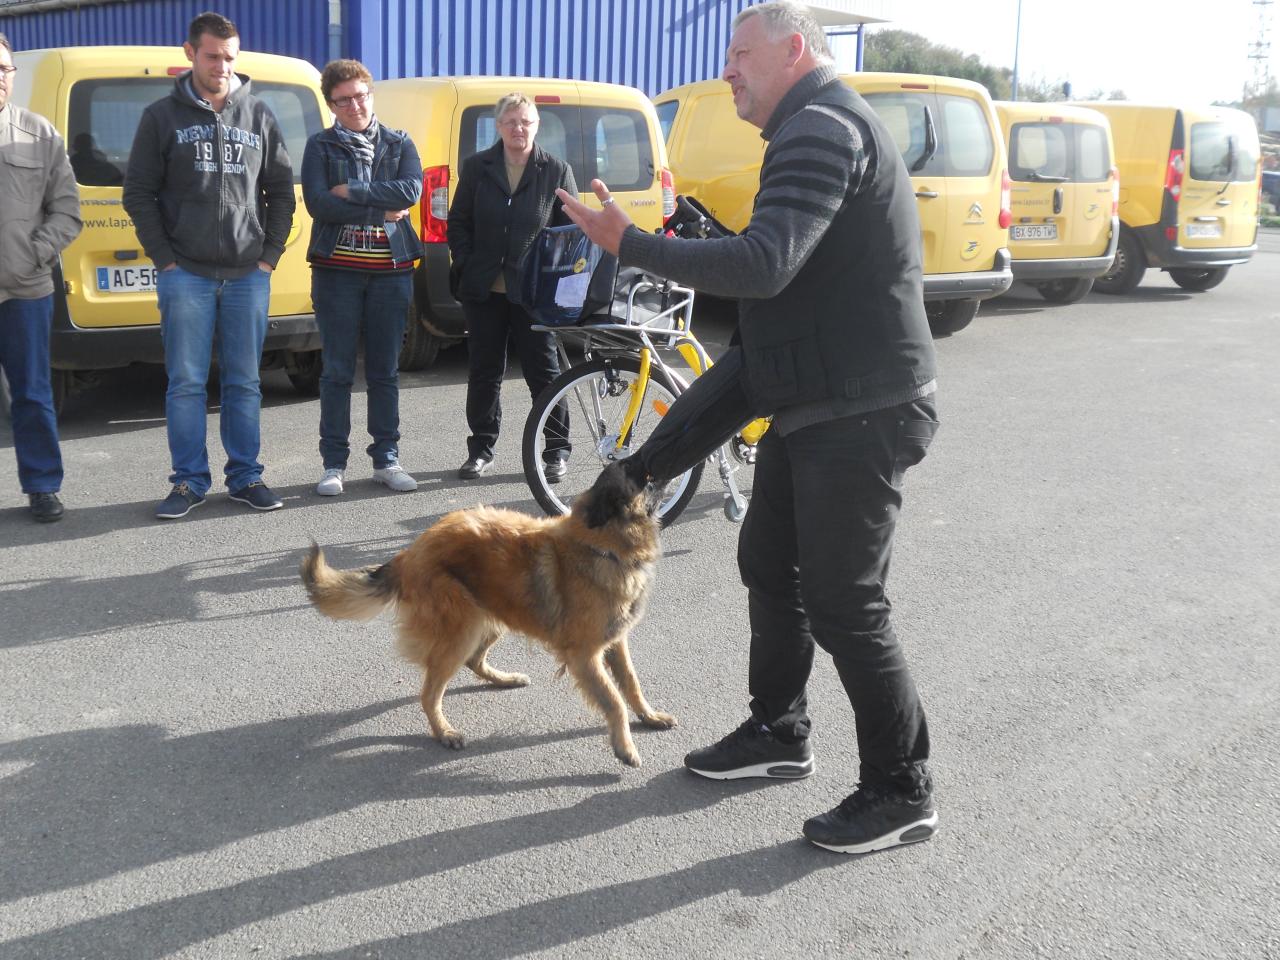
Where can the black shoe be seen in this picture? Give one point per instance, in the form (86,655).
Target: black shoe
(873,818)
(45,507)
(554,470)
(752,751)
(180,501)
(257,495)
(474,467)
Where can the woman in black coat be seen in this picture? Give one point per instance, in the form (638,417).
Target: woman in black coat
(505,195)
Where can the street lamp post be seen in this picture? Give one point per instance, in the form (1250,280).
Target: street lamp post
(1017,38)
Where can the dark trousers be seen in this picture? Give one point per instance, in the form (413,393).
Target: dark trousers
(814,555)
(490,323)
(352,305)
(24,357)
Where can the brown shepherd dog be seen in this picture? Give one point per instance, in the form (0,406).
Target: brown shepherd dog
(576,584)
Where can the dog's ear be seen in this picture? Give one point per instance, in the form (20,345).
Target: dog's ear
(609,496)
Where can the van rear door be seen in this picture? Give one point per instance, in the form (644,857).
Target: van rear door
(910,111)
(1219,200)
(1061,188)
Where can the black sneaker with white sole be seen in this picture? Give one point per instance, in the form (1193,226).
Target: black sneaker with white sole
(752,751)
(873,818)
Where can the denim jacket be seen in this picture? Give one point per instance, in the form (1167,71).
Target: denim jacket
(396,184)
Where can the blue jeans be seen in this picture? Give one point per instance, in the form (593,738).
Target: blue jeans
(349,303)
(196,315)
(24,356)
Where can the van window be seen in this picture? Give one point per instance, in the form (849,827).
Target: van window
(618,153)
(1074,151)
(1093,158)
(296,111)
(623,155)
(667,117)
(620,150)
(965,139)
(480,131)
(905,116)
(1222,152)
(104,116)
(1039,150)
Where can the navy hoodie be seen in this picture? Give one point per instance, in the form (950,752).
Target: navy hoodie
(212,192)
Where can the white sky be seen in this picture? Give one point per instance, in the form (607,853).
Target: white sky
(1153,50)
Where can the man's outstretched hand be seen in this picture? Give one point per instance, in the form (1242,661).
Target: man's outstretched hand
(603,227)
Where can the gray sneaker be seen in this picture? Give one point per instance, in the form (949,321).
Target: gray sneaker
(396,477)
(330,484)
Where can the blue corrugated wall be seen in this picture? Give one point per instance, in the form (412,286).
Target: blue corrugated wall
(650,44)
(297,28)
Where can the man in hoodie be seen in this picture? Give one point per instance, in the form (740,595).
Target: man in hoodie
(210,191)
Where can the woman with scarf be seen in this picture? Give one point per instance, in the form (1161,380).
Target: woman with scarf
(359,180)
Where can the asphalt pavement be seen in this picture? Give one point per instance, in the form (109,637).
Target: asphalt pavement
(193,763)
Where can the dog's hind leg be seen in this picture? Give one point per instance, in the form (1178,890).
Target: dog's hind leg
(618,658)
(441,663)
(485,672)
(588,673)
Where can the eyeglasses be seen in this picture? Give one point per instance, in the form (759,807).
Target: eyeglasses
(8,71)
(515,124)
(359,100)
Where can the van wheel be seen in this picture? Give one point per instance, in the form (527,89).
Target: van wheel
(304,371)
(950,316)
(1126,269)
(1068,290)
(420,347)
(63,383)
(1189,278)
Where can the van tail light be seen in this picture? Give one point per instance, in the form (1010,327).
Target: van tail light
(668,194)
(1114,174)
(1006,200)
(1173,174)
(435,204)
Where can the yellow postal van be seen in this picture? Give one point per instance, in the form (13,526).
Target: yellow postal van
(948,134)
(105,313)
(601,130)
(1188,193)
(1066,196)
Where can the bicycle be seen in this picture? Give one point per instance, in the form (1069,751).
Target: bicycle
(617,394)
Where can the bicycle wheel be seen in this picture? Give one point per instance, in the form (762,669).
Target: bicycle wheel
(597,394)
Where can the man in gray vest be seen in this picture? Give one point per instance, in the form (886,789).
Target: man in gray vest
(836,347)
(41,215)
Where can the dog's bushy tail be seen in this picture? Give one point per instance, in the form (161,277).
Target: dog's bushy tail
(359,594)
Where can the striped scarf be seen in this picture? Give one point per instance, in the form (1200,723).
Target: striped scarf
(360,144)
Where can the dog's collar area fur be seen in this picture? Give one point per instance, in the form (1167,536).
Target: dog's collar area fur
(605,554)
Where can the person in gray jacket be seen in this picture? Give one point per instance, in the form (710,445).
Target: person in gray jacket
(836,347)
(41,216)
(210,190)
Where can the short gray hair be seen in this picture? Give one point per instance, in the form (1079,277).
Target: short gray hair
(513,101)
(4,42)
(785,17)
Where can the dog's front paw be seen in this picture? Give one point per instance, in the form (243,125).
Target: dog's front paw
(453,739)
(628,754)
(660,721)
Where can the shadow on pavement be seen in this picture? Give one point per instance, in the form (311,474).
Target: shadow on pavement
(93,804)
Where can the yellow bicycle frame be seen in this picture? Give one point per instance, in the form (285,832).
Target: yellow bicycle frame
(751,433)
